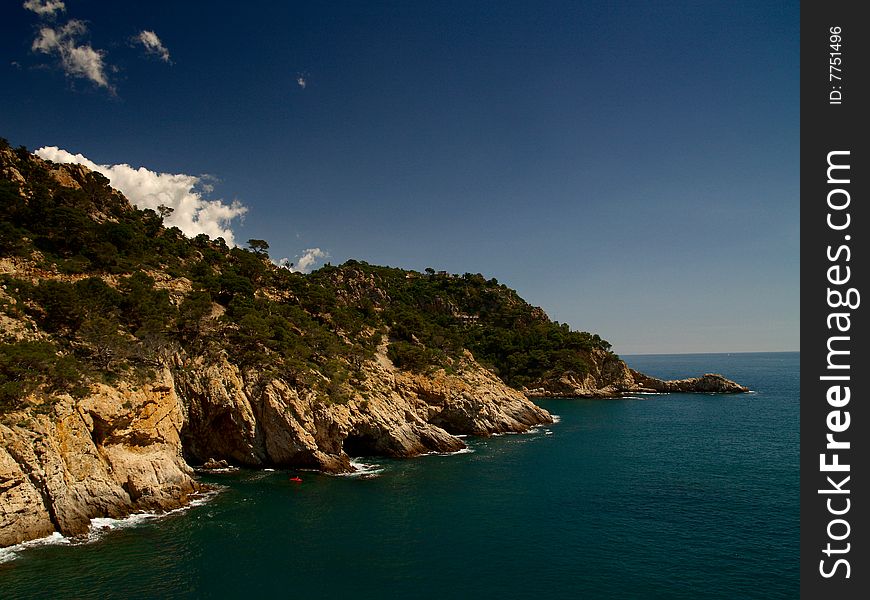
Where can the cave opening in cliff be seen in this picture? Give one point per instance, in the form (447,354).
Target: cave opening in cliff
(358,444)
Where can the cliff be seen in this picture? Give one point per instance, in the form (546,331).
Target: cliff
(247,420)
(120,449)
(610,377)
(130,352)
(111,453)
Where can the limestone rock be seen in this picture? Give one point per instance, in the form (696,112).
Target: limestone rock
(246,420)
(610,377)
(115,452)
(62,175)
(607,376)
(707,384)
(23,511)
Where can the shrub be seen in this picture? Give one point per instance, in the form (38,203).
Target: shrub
(26,367)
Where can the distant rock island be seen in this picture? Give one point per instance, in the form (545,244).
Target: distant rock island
(130,352)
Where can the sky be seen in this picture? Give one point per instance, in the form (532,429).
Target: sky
(630,167)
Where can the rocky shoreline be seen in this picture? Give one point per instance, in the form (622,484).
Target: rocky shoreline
(610,377)
(128,449)
(113,453)
(709,383)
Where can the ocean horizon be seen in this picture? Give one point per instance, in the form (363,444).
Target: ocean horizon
(648,496)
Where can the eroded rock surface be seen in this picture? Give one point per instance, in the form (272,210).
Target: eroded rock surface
(710,383)
(116,452)
(610,377)
(241,418)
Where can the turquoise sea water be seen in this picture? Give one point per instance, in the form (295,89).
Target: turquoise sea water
(664,496)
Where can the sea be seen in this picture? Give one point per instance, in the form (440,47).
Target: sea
(675,496)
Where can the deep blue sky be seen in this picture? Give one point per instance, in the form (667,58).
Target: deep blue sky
(631,167)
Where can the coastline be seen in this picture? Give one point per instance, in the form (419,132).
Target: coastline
(606,464)
(473,402)
(98,527)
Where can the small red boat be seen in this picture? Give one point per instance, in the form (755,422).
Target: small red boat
(296,479)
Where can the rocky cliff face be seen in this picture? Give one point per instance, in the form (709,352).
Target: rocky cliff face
(606,377)
(120,450)
(124,449)
(610,377)
(115,452)
(245,419)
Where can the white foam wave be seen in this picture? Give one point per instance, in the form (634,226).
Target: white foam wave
(11,552)
(99,526)
(361,469)
(103,525)
(556,419)
(198,501)
(548,432)
(465,450)
(526,432)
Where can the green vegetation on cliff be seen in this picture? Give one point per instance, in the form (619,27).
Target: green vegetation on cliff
(92,288)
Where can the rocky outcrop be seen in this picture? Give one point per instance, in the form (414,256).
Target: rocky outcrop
(606,377)
(706,384)
(251,421)
(119,450)
(126,448)
(610,377)
(9,171)
(116,452)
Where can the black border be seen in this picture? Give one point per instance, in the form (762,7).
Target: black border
(827,127)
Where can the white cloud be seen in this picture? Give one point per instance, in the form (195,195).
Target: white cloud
(301,81)
(306,262)
(77,59)
(45,8)
(192,214)
(153,45)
